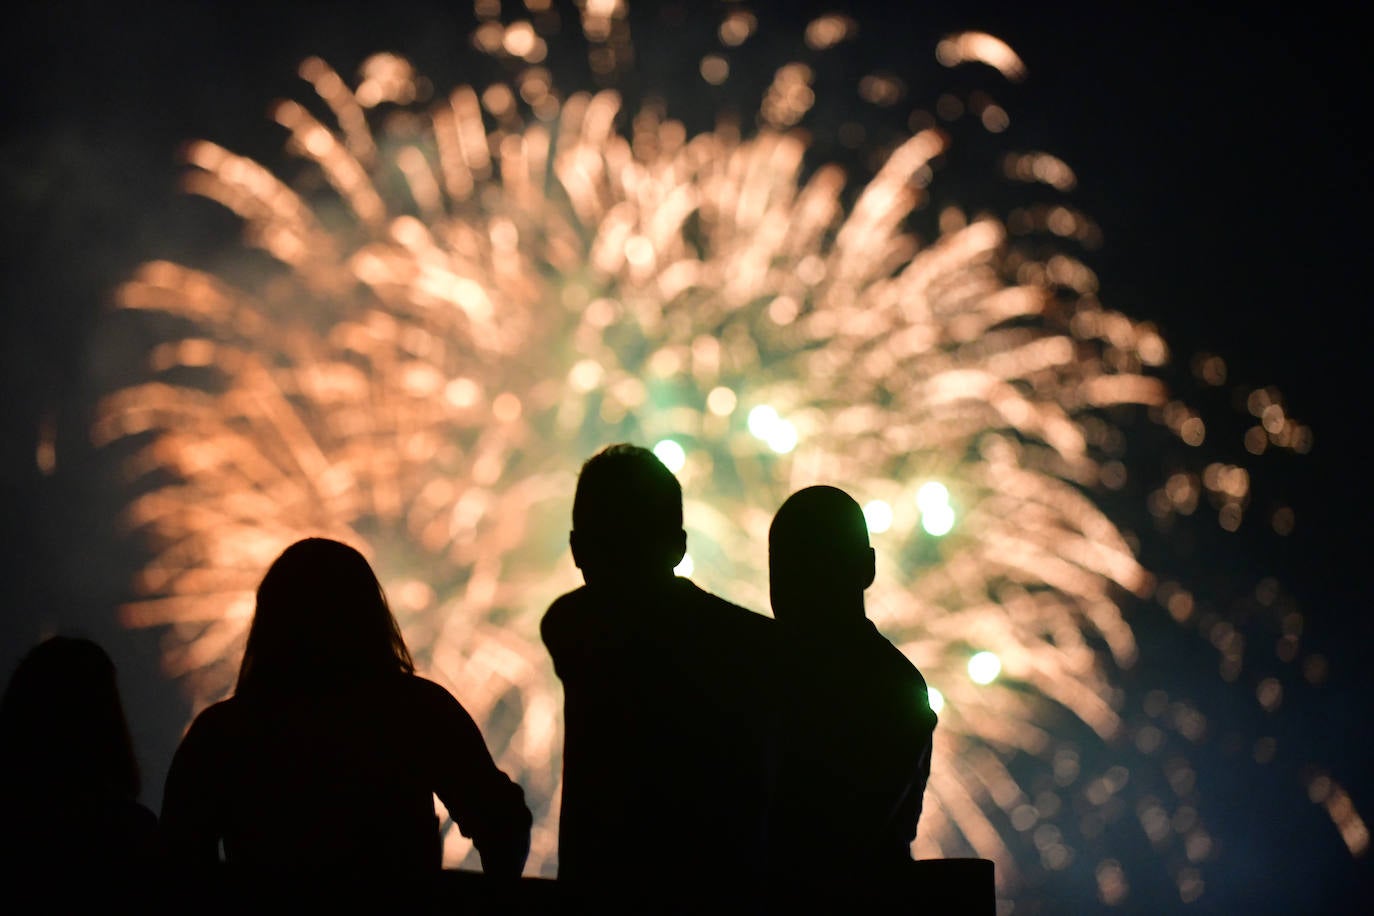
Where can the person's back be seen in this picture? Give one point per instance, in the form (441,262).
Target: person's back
(855,728)
(854,748)
(324,764)
(338,780)
(664,770)
(665,750)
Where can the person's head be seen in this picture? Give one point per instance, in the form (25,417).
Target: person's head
(819,561)
(62,724)
(627,518)
(321,614)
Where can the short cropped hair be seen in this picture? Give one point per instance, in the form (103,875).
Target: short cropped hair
(626,485)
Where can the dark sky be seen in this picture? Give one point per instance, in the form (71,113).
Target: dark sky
(1217,150)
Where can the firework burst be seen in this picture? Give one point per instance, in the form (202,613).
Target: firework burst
(478,292)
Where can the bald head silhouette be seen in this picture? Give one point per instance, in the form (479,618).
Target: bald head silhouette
(819,560)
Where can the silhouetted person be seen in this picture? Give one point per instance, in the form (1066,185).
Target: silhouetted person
(323,766)
(856,725)
(69,817)
(665,747)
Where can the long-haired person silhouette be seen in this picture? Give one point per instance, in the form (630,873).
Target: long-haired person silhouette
(69,780)
(327,758)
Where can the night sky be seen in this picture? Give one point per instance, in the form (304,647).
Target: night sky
(1217,151)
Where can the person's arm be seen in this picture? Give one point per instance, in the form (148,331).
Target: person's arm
(487,805)
(917,747)
(189,823)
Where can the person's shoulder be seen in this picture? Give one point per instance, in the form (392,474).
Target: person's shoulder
(424,703)
(895,659)
(423,691)
(133,817)
(215,726)
(726,611)
(218,716)
(569,602)
(565,610)
(726,606)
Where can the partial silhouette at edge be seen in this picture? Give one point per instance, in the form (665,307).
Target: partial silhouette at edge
(71,783)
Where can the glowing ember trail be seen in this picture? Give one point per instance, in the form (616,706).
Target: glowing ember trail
(496,284)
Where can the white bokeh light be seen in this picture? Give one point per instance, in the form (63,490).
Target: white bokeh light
(878,515)
(984,667)
(671,454)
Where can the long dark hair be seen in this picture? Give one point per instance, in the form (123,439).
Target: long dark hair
(321,617)
(62,725)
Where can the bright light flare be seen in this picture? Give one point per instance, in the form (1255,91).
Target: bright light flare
(984,667)
(672,455)
(782,438)
(938,520)
(763,420)
(937,515)
(932,494)
(878,515)
(721,401)
(764,423)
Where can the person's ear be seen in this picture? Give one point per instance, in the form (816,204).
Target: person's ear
(868,569)
(576,551)
(679,548)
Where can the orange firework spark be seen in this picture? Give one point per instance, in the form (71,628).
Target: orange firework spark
(496,284)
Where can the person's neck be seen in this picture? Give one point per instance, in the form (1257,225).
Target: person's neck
(633,585)
(837,615)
